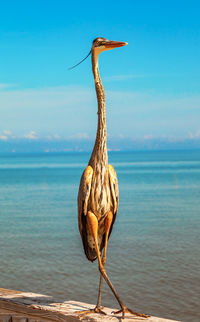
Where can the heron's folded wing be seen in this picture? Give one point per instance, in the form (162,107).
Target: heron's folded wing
(84,193)
(114,188)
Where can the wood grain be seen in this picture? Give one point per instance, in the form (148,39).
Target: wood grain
(16,306)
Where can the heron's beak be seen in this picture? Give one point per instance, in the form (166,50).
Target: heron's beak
(114,44)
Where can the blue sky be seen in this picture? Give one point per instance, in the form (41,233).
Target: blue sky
(152,85)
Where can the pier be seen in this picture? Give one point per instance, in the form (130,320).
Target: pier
(16,306)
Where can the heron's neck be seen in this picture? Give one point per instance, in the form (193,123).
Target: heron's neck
(99,153)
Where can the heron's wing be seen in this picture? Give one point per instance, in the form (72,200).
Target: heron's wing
(83,197)
(114,187)
(84,193)
(114,191)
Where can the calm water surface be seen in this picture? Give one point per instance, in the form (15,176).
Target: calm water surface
(153,252)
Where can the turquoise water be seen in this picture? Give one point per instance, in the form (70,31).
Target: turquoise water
(153,253)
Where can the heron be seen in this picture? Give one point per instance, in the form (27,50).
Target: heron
(98,194)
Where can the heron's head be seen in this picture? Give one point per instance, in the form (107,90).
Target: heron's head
(101,44)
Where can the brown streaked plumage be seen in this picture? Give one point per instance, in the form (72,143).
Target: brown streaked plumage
(98,191)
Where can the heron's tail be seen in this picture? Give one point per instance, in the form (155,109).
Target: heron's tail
(90,253)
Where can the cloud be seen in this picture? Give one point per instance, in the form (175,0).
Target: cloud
(70,111)
(148,137)
(7,132)
(79,136)
(3,137)
(195,135)
(32,142)
(62,110)
(31,136)
(56,136)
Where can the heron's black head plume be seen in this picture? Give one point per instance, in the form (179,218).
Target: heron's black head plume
(80,61)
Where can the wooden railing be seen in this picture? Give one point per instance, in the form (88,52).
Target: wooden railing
(18,306)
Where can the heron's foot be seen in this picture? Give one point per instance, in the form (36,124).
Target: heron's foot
(126,310)
(97,309)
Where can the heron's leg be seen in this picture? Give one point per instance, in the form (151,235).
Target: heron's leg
(108,222)
(99,292)
(93,226)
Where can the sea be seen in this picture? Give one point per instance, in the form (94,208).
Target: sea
(153,256)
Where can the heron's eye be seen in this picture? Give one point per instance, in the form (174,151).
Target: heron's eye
(100,43)
(97,42)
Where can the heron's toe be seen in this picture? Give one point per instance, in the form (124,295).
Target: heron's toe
(127,310)
(97,309)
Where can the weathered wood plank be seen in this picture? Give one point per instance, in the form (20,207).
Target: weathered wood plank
(5,317)
(18,306)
